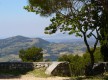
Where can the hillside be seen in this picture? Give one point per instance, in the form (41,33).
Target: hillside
(10,47)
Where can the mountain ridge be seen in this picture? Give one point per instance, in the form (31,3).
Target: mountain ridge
(10,47)
(18,42)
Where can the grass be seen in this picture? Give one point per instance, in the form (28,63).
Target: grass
(98,77)
(36,73)
(39,73)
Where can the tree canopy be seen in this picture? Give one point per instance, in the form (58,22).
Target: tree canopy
(31,54)
(85,18)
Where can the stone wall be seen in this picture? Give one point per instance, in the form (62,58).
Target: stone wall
(53,68)
(41,64)
(23,65)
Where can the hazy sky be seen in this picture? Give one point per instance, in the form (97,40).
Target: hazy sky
(14,20)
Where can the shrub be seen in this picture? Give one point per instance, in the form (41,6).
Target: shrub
(78,63)
(31,54)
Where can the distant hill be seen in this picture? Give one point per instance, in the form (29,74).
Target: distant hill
(13,44)
(9,47)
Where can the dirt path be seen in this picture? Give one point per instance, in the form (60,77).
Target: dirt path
(30,77)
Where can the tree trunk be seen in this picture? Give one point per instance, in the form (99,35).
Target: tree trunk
(92,58)
(91,52)
(104,52)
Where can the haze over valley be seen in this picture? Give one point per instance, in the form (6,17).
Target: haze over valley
(52,47)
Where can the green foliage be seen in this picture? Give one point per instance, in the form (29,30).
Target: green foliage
(46,7)
(68,17)
(97,55)
(78,17)
(77,63)
(31,54)
(65,58)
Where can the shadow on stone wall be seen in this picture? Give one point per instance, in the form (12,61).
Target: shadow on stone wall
(14,69)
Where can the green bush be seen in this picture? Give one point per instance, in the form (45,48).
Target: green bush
(77,63)
(31,54)
(97,55)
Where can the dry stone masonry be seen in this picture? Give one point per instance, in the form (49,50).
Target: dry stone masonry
(52,68)
(23,65)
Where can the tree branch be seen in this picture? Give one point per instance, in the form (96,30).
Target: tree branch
(86,42)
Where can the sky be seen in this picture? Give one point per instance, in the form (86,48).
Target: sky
(14,20)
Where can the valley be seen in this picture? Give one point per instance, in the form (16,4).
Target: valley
(9,47)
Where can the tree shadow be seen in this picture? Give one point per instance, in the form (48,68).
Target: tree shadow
(10,74)
(14,69)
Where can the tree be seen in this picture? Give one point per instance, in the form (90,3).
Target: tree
(80,17)
(104,4)
(104,30)
(31,54)
(77,63)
